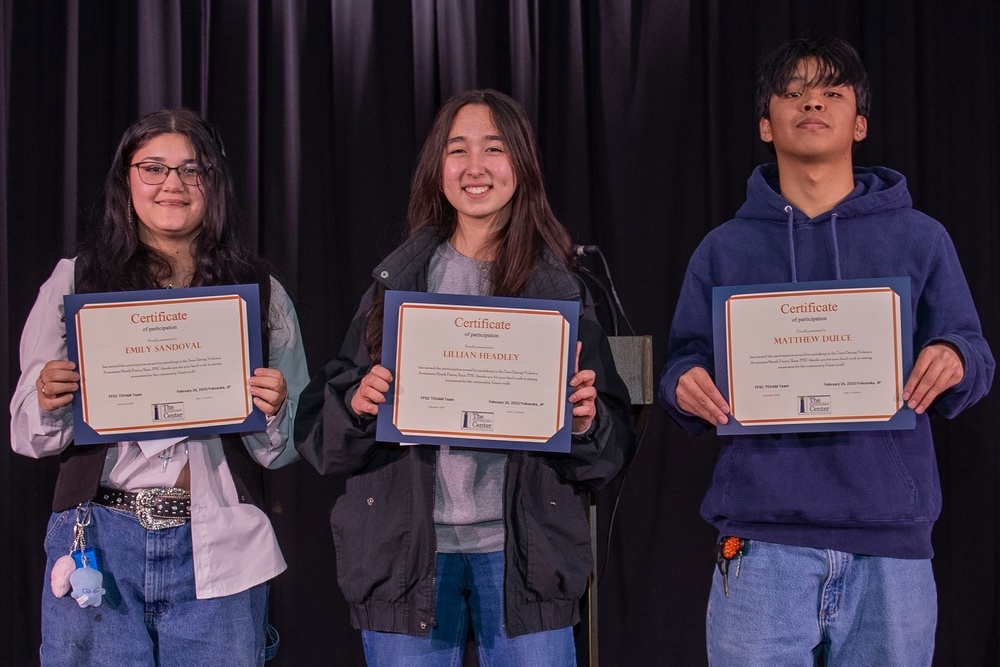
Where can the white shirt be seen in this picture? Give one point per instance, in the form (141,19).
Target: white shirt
(234,543)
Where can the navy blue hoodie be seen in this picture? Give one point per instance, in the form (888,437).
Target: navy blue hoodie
(865,492)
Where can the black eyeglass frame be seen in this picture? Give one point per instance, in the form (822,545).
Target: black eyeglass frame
(203,168)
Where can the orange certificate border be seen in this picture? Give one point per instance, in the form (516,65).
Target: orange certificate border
(235,299)
(897,347)
(472,435)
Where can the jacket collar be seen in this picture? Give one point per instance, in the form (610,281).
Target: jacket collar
(405,268)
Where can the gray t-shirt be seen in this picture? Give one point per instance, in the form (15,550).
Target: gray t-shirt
(468,498)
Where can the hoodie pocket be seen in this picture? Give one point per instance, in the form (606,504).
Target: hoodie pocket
(844,478)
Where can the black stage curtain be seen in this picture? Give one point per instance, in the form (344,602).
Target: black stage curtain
(645,119)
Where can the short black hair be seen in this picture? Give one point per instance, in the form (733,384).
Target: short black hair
(839,65)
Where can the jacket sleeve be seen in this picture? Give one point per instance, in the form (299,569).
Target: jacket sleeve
(596,457)
(945,313)
(327,432)
(690,345)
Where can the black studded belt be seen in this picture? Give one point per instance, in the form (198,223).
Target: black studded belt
(156,508)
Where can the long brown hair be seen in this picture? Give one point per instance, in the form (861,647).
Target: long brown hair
(518,245)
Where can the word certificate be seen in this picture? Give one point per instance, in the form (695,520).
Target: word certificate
(487,372)
(822,356)
(160,363)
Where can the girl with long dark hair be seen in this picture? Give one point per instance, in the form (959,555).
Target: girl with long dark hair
(430,539)
(186,582)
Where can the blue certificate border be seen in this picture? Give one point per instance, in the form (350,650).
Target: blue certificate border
(387,432)
(85,435)
(904,418)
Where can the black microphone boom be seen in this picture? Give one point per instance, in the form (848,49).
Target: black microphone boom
(580,251)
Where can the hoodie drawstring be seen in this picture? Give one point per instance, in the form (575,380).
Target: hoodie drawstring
(836,247)
(791,243)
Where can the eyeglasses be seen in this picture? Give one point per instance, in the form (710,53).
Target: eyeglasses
(155,173)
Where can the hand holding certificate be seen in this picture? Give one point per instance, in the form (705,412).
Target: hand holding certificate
(814,356)
(478,371)
(152,365)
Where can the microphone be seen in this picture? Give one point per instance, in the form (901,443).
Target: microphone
(582,250)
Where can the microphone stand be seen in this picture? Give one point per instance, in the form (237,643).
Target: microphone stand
(633,357)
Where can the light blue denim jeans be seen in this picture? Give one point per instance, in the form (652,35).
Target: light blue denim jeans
(791,605)
(470,583)
(149,614)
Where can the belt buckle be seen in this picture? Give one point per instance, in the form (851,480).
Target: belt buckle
(145,504)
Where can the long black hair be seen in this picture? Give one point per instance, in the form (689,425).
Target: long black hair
(532,228)
(113,256)
(532,225)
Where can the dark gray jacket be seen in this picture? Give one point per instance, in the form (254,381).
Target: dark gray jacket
(383,527)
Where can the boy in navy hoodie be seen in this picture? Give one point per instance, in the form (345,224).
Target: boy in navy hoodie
(830,532)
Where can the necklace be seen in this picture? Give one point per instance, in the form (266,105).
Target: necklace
(180,283)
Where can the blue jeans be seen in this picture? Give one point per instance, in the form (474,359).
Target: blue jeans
(149,614)
(791,605)
(470,583)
